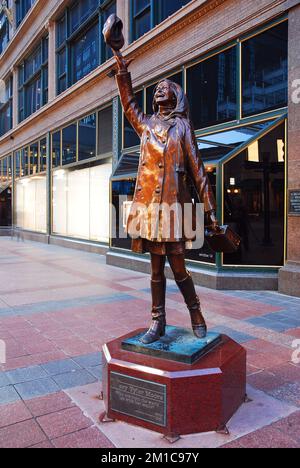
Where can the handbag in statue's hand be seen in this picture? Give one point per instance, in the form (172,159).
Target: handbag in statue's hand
(225,240)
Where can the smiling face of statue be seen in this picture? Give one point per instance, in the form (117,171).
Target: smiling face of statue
(164,96)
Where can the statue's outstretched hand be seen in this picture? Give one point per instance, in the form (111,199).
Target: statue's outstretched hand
(123,64)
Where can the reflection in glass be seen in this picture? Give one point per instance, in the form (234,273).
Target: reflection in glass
(18,164)
(85,53)
(25,165)
(34,158)
(43,155)
(87,138)
(218,145)
(69,139)
(105,131)
(254,201)
(128,164)
(168,7)
(265,71)
(211,90)
(141,17)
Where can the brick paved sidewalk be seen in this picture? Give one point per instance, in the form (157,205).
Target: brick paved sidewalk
(59,306)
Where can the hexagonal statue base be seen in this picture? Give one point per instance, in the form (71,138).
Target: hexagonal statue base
(171,397)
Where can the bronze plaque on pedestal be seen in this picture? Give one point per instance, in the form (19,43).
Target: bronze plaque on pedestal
(294,207)
(138,398)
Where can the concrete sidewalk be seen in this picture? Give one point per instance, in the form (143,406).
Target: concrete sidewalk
(59,306)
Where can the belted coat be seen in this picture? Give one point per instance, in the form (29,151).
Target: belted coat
(169,157)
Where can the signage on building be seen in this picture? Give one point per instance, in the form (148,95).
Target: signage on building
(294,208)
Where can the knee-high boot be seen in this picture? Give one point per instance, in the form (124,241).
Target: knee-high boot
(192,301)
(158,325)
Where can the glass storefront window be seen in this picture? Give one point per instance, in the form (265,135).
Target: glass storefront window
(105,131)
(212,91)
(87,138)
(18,164)
(80,202)
(30,204)
(254,194)
(69,144)
(130,136)
(24,162)
(124,189)
(34,158)
(56,149)
(43,155)
(265,70)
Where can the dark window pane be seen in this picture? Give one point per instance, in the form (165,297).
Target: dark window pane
(254,201)
(4,33)
(139,5)
(43,155)
(74,17)
(105,131)
(177,78)
(61,31)
(109,10)
(142,24)
(85,53)
(87,138)
(205,254)
(56,149)
(130,136)
(22,7)
(211,87)
(168,7)
(122,189)
(265,83)
(62,84)
(34,158)
(61,62)
(69,138)
(6,108)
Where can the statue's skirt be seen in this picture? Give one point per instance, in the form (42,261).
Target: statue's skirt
(164,248)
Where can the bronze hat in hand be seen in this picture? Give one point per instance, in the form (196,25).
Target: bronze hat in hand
(113,32)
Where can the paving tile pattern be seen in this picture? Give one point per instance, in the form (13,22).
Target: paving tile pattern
(59,306)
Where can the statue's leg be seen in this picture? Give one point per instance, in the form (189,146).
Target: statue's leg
(158,290)
(186,285)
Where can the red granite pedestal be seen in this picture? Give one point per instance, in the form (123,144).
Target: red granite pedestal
(174,398)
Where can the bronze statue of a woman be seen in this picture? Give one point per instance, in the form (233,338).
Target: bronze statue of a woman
(169,155)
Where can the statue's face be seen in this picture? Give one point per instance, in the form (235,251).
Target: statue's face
(164,96)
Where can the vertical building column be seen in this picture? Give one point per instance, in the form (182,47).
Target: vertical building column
(123,9)
(117,131)
(15,97)
(51,26)
(289,276)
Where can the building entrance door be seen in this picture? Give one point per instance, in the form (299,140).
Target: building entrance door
(5,208)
